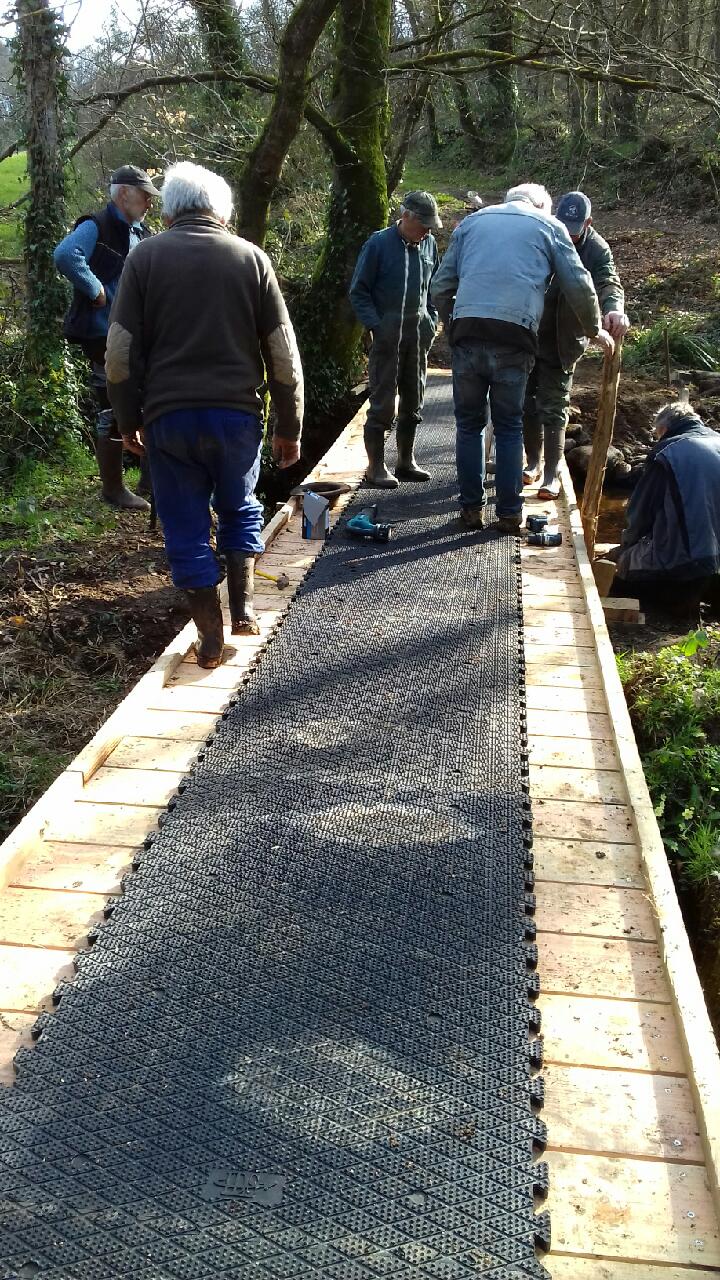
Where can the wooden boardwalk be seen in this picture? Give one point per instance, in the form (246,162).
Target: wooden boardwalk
(632,1073)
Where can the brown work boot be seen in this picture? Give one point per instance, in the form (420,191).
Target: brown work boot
(510,524)
(207,615)
(473,517)
(241,591)
(109,454)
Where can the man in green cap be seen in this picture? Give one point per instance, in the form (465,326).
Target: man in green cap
(389,295)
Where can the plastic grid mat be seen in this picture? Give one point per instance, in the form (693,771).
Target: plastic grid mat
(304,1043)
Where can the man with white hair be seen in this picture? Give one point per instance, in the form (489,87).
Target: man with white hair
(197,321)
(490,292)
(92,257)
(389,295)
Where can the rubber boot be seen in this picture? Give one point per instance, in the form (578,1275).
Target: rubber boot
(241,588)
(377,474)
(533,441)
(207,615)
(109,455)
(407,468)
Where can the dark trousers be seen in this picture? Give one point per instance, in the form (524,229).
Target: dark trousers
(488,377)
(200,457)
(397,367)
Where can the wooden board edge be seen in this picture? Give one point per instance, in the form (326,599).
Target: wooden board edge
(69,784)
(696,1034)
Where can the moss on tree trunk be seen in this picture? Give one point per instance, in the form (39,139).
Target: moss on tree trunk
(329,332)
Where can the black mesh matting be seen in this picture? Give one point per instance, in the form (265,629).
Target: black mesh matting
(303,1044)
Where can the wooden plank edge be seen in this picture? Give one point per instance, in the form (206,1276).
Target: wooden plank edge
(69,784)
(696,1034)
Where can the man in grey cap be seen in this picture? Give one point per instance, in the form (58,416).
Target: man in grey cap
(561,342)
(92,257)
(389,295)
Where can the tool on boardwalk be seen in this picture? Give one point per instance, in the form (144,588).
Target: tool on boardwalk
(365,525)
(536,524)
(281,581)
(545,538)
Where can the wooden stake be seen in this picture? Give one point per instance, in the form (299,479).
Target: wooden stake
(667,357)
(602,440)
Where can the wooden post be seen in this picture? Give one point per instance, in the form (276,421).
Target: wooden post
(602,440)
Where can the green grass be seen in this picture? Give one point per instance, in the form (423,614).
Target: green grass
(13,184)
(693,340)
(674,701)
(53,500)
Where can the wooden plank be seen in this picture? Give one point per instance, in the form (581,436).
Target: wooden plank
(201,698)
(588,862)
(556,618)
(621,609)
(152,787)
(228,676)
(121,824)
(621,1113)
(568,819)
(569,724)
(570,1266)
(559,655)
(572,606)
(14,1034)
(567,677)
(549,634)
(29,977)
(592,966)
(154,753)
(633,1209)
(575,753)
(557,698)
(564,586)
(46,918)
(597,911)
(187,726)
(615,1034)
(601,786)
(78,868)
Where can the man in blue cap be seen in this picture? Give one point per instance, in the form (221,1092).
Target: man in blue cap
(389,295)
(561,342)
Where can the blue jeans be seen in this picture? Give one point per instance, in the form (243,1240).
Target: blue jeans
(487,372)
(198,457)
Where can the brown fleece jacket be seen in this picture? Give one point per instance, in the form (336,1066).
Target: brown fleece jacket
(197,320)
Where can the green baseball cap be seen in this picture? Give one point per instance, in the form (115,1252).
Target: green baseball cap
(424,207)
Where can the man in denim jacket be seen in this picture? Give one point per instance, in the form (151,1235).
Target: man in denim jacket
(389,295)
(490,292)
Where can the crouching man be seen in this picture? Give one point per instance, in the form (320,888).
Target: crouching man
(671,541)
(196,321)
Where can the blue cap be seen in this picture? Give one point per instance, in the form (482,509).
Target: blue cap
(574,209)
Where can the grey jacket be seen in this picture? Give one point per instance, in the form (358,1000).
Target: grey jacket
(673,517)
(498,265)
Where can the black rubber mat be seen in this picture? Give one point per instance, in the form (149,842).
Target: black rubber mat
(303,1044)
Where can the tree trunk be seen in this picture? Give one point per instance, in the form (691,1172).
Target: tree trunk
(329,332)
(219,23)
(433,131)
(265,162)
(412,108)
(500,119)
(471,127)
(42,75)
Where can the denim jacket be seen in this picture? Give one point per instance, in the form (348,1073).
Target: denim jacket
(498,265)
